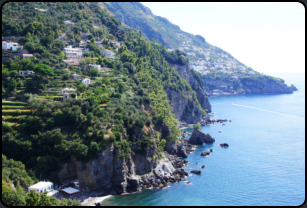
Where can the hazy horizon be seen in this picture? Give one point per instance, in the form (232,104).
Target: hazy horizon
(269,37)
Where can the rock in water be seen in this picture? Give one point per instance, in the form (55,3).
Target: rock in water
(196,171)
(205,153)
(224,145)
(209,139)
(198,138)
(203,166)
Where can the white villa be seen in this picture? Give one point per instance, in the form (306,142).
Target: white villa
(27,55)
(95,66)
(75,76)
(10,45)
(68,22)
(25,73)
(67,90)
(72,52)
(86,81)
(107,53)
(42,10)
(41,187)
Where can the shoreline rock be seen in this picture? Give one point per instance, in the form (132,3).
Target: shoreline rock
(224,145)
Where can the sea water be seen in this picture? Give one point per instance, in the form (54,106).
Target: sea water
(263,165)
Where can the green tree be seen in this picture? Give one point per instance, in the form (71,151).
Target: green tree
(43,69)
(11,198)
(12,84)
(197,127)
(94,72)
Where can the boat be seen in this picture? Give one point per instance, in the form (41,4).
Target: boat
(220,130)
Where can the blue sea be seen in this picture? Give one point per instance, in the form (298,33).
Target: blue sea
(263,165)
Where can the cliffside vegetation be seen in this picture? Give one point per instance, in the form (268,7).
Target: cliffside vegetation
(15,182)
(127,102)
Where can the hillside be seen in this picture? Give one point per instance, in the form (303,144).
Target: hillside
(204,57)
(120,119)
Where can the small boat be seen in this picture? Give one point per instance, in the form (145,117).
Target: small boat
(220,131)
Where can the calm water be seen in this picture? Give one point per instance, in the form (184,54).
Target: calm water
(265,161)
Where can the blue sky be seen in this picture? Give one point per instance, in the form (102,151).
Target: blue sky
(269,37)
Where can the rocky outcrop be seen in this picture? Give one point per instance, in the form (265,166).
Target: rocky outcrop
(205,153)
(184,108)
(198,138)
(196,172)
(181,147)
(185,72)
(264,84)
(110,174)
(224,145)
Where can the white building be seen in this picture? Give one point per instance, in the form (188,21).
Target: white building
(72,52)
(234,77)
(41,187)
(86,81)
(68,90)
(75,76)
(95,66)
(68,22)
(25,73)
(42,10)
(10,45)
(27,55)
(107,52)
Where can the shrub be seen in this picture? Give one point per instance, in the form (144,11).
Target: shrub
(197,127)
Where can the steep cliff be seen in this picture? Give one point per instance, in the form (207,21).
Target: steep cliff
(256,84)
(185,109)
(108,174)
(185,73)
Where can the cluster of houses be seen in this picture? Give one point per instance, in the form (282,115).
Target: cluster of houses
(213,60)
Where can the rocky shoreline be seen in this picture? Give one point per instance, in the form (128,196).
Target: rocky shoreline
(204,122)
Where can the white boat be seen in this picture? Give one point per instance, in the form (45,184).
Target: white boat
(220,130)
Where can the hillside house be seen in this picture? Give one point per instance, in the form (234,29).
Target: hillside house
(67,90)
(9,45)
(41,187)
(94,66)
(86,81)
(72,61)
(42,10)
(75,76)
(108,54)
(25,73)
(72,52)
(27,56)
(68,22)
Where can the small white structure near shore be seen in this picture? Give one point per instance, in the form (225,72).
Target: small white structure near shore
(70,190)
(41,187)
(53,193)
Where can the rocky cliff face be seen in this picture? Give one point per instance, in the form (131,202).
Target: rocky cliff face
(109,174)
(250,85)
(185,72)
(269,86)
(185,109)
